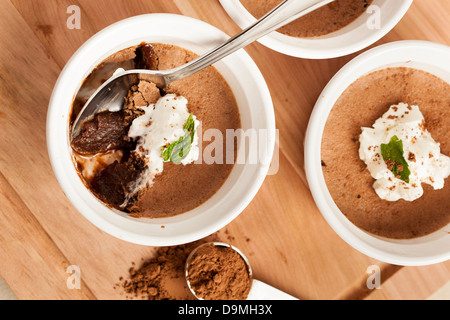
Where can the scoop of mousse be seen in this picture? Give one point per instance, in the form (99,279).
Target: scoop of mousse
(108,131)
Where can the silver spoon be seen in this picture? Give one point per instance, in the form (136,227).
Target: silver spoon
(258,289)
(110,96)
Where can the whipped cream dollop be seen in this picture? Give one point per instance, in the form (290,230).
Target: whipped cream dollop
(160,125)
(421,152)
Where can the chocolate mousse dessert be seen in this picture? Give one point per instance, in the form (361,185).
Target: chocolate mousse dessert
(145,159)
(325,20)
(385,151)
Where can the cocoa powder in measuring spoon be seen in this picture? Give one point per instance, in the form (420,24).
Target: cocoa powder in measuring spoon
(218,272)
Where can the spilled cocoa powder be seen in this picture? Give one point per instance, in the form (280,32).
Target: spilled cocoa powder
(219,273)
(160,278)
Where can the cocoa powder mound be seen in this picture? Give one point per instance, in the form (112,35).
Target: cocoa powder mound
(219,273)
(162,277)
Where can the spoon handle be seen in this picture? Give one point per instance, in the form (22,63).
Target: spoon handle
(284,13)
(262,291)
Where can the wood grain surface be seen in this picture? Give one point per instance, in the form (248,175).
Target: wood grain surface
(289,244)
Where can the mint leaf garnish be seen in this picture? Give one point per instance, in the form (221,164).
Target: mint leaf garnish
(393,156)
(178,150)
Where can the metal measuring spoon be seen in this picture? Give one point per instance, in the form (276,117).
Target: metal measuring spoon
(110,96)
(258,290)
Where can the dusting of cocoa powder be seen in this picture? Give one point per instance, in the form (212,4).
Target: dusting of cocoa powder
(219,273)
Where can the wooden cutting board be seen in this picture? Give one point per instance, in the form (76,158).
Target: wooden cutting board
(289,244)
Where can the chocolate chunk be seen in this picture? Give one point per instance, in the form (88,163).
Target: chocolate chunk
(106,131)
(146,58)
(114,183)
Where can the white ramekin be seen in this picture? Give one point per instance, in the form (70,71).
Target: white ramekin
(255,106)
(423,55)
(352,38)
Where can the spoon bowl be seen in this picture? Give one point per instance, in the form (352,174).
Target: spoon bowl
(111,94)
(258,289)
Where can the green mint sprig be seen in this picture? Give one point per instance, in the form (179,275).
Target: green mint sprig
(393,156)
(178,150)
